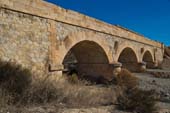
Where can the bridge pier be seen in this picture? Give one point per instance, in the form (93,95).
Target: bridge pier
(117,67)
(156,64)
(56,68)
(142,66)
(147,65)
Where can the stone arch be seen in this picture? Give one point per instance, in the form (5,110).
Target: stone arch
(149,59)
(129,59)
(76,37)
(90,53)
(124,46)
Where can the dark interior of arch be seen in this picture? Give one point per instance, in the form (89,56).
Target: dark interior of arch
(91,61)
(128,59)
(149,60)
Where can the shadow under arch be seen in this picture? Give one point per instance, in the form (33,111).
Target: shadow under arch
(89,60)
(128,59)
(147,57)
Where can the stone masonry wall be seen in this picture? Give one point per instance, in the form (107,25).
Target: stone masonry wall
(64,30)
(24,39)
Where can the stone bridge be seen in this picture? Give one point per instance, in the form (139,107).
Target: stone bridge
(47,38)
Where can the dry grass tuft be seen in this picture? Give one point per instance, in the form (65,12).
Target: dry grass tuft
(126,79)
(138,100)
(73,79)
(133,99)
(13,81)
(19,87)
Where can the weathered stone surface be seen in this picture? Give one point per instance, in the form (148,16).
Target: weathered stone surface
(24,39)
(46,10)
(38,34)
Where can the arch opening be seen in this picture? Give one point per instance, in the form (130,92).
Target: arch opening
(89,61)
(147,57)
(128,59)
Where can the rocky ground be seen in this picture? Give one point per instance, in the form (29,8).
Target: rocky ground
(161,85)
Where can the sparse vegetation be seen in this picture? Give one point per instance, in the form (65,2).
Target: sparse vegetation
(132,98)
(160,74)
(13,81)
(138,100)
(18,88)
(40,92)
(126,79)
(73,79)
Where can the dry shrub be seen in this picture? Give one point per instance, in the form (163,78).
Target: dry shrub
(78,96)
(73,79)
(126,79)
(133,99)
(5,99)
(138,100)
(13,77)
(13,81)
(41,92)
(19,87)
(73,95)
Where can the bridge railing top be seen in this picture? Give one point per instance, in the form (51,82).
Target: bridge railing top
(50,11)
